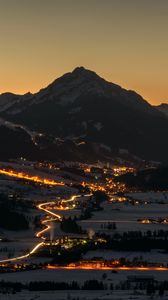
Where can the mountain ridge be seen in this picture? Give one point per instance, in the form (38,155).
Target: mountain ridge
(82,106)
(163,107)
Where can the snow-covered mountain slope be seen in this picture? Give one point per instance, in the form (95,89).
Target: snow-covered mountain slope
(69,88)
(11,101)
(80,105)
(14,126)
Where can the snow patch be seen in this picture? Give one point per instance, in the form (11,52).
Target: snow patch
(98,126)
(105,147)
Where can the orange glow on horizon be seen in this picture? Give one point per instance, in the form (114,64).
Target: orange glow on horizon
(147,93)
(51,38)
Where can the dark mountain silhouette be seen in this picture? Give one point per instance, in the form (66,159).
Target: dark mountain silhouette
(82,106)
(154,179)
(163,108)
(16,143)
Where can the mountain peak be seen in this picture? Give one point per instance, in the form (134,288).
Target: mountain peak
(80,105)
(81,71)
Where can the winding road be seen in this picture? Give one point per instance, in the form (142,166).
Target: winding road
(40,234)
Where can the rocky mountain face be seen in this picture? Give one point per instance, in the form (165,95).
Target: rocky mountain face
(84,108)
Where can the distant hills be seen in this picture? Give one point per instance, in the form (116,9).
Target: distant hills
(81,108)
(154,179)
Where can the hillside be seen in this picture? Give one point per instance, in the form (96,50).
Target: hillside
(81,106)
(154,179)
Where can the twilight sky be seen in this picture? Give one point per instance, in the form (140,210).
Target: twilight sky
(124,41)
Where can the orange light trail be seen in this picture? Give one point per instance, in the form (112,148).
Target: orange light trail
(56,217)
(39,234)
(23,256)
(94,267)
(37,179)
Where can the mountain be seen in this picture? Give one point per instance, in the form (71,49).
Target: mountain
(18,141)
(80,106)
(163,108)
(9,100)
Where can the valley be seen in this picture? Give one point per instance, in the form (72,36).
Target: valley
(100,213)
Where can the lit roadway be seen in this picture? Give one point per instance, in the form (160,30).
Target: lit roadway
(24,176)
(54,217)
(57,217)
(87,267)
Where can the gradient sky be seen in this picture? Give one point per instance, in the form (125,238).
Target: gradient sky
(124,41)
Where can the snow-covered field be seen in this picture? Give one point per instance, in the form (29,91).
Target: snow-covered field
(17,247)
(80,276)
(82,295)
(125,215)
(150,196)
(59,275)
(154,256)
